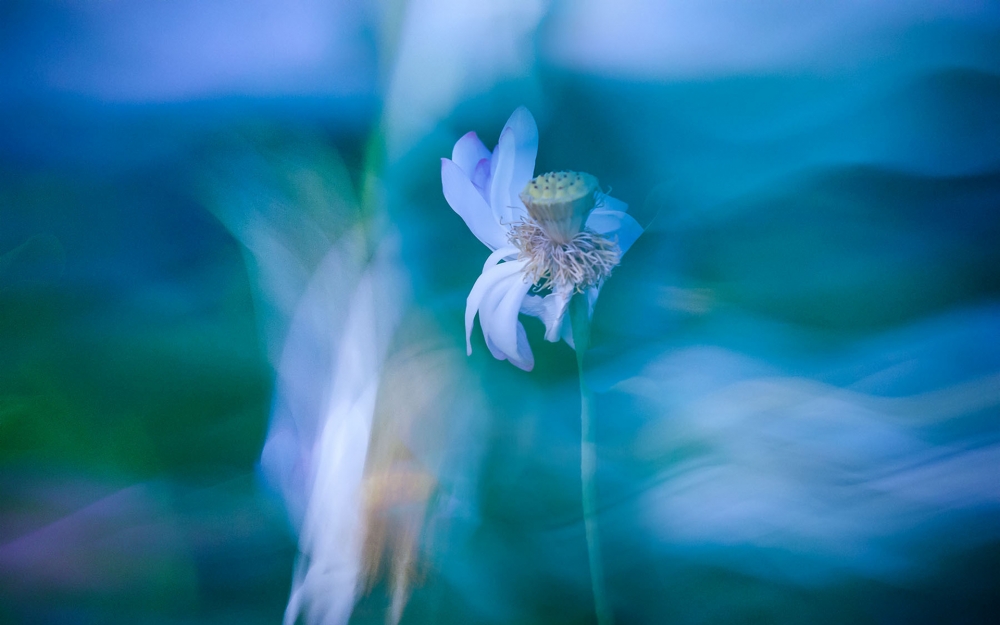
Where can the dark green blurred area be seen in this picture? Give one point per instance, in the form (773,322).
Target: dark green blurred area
(131,335)
(132,357)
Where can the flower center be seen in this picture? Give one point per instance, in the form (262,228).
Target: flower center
(585,260)
(561,254)
(559,202)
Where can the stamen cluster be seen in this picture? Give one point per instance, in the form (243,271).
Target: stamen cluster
(584,261)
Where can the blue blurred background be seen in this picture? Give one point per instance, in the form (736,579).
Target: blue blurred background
(219,219)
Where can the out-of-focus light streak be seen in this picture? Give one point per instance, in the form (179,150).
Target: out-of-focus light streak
(471,46)
(830,481)
(329,449)
(683,39)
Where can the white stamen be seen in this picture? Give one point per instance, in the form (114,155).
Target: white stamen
(586,260)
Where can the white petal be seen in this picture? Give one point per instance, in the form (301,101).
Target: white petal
(503,171)
(566,331)
(491,298)
(525,364)
(498,317)
(612,204)
(502,253)
(551,310)
(592,293)
(522,124)
(525,359)
(505,324)
(481,179)
(615,225)
(560,302)
(484,283)
(470,205)
(525,132)
(467,153)
(496,351)
(533,305)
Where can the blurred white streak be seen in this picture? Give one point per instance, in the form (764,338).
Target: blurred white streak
(825,479)
(683,38)
(324,405)
(305,373)
(450,51)
(329,296)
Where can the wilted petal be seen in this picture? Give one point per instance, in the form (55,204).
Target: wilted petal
(496,351)
(503,253)
(498,317)
(490,277)
(533,305)
(566,332)
(501,293)
(505,326)
(525,359)
(470,205)
(467,153)
(491,298)
(592,293)
(551,310)
(615,224)
(607,202)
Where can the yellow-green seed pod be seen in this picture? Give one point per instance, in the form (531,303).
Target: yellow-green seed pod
(560,202)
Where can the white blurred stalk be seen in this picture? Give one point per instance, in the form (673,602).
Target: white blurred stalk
(332,531)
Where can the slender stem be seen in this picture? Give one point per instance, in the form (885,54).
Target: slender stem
(579,311)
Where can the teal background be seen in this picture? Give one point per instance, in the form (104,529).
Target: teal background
(822,243)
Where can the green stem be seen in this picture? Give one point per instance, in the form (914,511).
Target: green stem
(579,311)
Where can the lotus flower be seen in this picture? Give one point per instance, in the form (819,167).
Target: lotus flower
(557,233)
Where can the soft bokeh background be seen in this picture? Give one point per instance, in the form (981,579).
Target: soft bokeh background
(219,219)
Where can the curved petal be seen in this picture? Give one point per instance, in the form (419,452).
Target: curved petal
(498,317)
(496,351)
(615,224)
(516,209)
(533,305)
(505,325)
(522,125)
(566,330)
(503,171)
(607,202)
(592,293)
(468,151)
(525,359)
(491,299)
(551,310)
(465,200)
(481,178)
(501,253)
(483,285)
